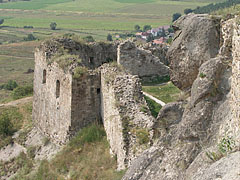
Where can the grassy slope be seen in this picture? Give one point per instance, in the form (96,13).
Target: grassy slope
(20,117)
(85,157)
(15,59)
(166,93)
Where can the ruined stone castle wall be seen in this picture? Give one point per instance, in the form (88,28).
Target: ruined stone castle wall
(140,62)
(51,104)
(92,55)
(234,126)
(126,117)
(158,50)
(85,105)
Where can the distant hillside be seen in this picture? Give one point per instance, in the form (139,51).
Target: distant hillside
(214,7)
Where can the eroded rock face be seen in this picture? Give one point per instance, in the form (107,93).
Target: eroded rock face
(225,169)
(140,62)
(196,41)
(208,119)
(168,118)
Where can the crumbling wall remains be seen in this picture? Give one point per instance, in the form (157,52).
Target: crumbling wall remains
(158,50)
(92,55)
(85,105)
(140,62)
(126,117)
(65,100)
(51,109)
(234,125)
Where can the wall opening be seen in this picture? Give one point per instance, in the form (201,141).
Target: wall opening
(91,60)
(57,89)
(44,76)
(98,90)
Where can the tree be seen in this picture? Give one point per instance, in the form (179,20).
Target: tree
(137,28)
(146,28)
(176,16)
(30,37)
(109,37)
(187,11)
(162,33)
(53,25)
(170,30)
(150,38)
(1,21)
(6,127)
(89,39)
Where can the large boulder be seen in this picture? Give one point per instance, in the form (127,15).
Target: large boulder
(225,169)
(197,40)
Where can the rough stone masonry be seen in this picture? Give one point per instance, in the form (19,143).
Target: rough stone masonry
(72,89)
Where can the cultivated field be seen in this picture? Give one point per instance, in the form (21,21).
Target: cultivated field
(93,14)
(82,17)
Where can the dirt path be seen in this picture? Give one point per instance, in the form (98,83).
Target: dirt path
(154,99)
(17,102)
(19,57)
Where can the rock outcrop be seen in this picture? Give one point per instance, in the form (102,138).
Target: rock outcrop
(204,137)
(196,40)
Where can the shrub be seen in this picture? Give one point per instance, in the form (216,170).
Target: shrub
(89,39)
(30,37)
(202,75)
(22,91)
(176,16)
(1,21)
(142,136)
(109,37)
(53,25)
(28,27)
(79,72)
(187,11)
(6,127)
(225,146)
(10,85)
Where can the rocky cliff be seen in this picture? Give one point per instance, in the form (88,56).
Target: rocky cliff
(199,137)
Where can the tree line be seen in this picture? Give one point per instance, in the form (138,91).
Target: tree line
(207,9)
(214,7)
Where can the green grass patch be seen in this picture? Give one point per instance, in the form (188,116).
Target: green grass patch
(166,93)
(86,156)
(155,80)
(153,106)
(19,118)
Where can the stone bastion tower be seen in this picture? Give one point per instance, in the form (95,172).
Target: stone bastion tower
(65,98)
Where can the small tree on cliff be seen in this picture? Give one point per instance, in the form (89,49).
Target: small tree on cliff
(176,16)
(53,25)
(187,11)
